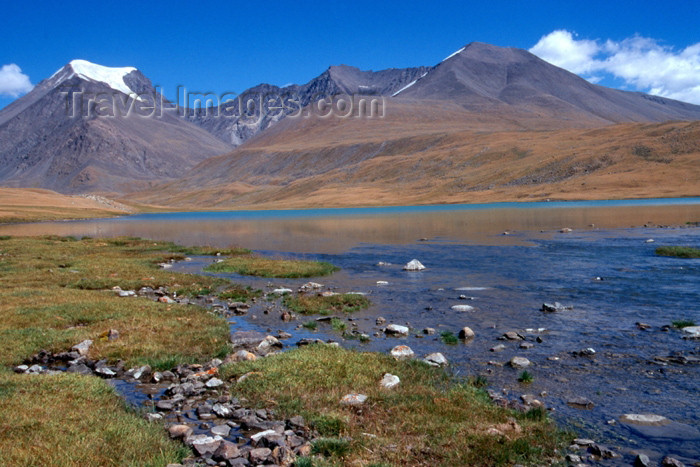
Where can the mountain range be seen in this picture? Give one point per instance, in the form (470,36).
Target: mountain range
(483,118)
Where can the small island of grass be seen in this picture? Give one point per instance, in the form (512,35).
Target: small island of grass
(252,265)
(678,251)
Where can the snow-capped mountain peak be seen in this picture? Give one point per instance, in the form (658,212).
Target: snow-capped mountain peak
(111,76)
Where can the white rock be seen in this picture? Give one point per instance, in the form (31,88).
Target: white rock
(402,352)
(693,332)
(397,329)
(203,439)
(649,240)
(214,383)
(382,283)
(353,399)
(414,265)
(165,265)
(519,362)
(644,419)
(258,436)
(126,293)
(462,308)
(282,291)
(435,359)
(390,381)
(83,347)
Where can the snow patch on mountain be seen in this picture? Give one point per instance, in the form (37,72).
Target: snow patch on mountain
(112,77)
(408,85)
(453,54)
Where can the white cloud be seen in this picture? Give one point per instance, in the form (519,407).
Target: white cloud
(13,82)
(642,63)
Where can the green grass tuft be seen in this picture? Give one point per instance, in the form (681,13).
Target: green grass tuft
(449,338)
(526,377)
(678,251)
(251,265)
(683,323)
(313,325)
(331,447)
(338,324)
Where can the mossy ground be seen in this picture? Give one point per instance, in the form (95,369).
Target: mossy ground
(428,419)
(253,265)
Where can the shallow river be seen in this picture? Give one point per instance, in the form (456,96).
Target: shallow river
(506,278)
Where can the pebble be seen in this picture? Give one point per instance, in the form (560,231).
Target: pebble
(402,352)
(396,330)
(519,362)
(435,359)
(353,399)
(390,381)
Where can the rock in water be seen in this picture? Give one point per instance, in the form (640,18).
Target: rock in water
(414,265)
(396,330)
(519,362)
(466,333)
(462,308)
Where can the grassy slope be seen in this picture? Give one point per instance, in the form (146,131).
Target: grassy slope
(356,164)
(70,420)
(426,420)
(31,205)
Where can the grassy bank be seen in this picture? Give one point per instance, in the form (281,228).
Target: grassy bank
(427,420)
(54,293)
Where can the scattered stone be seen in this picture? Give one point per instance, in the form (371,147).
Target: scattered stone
(462,308)
(380,320)
(205,445)
(142,372)
(165,405)
(246,339)
(584,442)
(21,368)
(165,299)
(580,403)
(214,383)
(642,460)
(79,368)
(154,417)
(519,362)
(429,331)
(353,399)
(526,345)
(555,307)
(396,330)
(466,333)
(414,265)
(180,431)
(83,347)
(112,335)
(531,401)
(573,458)
(243,356)
(566,230)
(497,348)
(643,326)
(105,372)
(402,352)
(259,455)
(263,434)
(512,336)
(126,293)
(390,381)
(691,332)
(226,451)
(644,419)
(671,462)
(435,359)
(311,286)
(649,240)
(602,452)
(282,291)
(222,410)
(382,283)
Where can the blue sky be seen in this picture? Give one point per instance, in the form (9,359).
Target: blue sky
(230,46)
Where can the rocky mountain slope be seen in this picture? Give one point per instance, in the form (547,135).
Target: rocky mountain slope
(94,128)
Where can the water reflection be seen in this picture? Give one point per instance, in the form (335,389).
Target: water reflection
(337,230)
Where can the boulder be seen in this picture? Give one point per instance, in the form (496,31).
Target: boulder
(580,402)
(353,399)
(180,431)
(466,333)
(396,330)
(83,347)
(555,307)
(691,332)
(389,381)
(259,455)
(402,352)
(246,339)
(226,451)
(205,445)
(435,359)
(519,362)
(413,265)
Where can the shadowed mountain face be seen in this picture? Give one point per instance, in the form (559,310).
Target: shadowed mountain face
(483,77)
(255,109)
(93,128)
